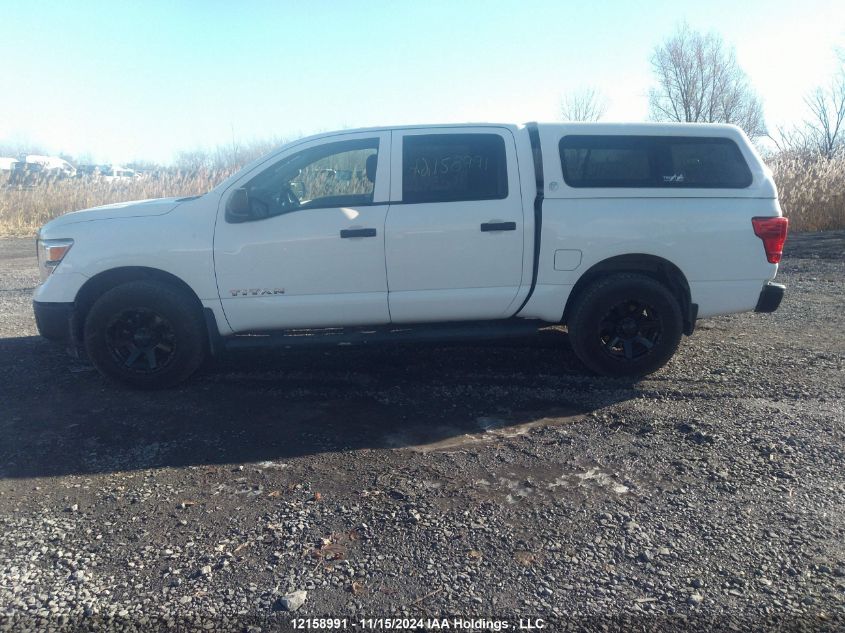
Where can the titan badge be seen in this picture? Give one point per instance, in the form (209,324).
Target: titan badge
(256,292)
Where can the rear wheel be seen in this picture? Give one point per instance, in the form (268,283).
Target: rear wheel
(145,334)
(626,324)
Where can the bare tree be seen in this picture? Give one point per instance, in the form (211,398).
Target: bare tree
(583,105)
(826,126)
(791,139)
(192,160)
(699,80)
(822,133)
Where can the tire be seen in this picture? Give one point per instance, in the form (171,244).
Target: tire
(146,335)
(626,324)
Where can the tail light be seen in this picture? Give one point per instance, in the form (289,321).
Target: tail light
(773,233)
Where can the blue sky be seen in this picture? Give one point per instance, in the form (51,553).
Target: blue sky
(143,80)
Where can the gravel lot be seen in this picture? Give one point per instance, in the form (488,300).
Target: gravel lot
(483,481)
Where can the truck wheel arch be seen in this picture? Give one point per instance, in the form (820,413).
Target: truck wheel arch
(94,288)
(656,267)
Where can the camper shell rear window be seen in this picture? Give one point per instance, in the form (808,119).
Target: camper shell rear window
(673,162)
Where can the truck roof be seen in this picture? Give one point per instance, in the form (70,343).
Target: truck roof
(600,127)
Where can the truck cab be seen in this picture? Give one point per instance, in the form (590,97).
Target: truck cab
(430,227)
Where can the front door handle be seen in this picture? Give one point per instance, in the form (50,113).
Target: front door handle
(357,233)
(498,226)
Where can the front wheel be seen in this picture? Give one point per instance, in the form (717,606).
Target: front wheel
(626,324)
(145,334)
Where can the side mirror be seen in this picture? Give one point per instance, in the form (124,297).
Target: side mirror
(238,208)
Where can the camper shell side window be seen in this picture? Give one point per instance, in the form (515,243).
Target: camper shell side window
(675,162)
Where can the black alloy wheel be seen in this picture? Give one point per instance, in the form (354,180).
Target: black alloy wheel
(146,334)
(141,340)
(625,324)
(630,330)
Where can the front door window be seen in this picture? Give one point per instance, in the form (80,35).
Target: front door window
(327,176)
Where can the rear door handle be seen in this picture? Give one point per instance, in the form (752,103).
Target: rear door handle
(498,226)
(357,233)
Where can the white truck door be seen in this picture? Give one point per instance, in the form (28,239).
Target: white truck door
(314,255)
(454,231)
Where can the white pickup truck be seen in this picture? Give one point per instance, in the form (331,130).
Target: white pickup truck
(625,233)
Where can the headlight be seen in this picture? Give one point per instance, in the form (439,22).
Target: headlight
(50,255)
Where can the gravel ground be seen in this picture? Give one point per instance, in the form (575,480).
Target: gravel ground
(484,481)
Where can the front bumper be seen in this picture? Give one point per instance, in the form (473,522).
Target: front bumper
(770,297)
(53,320)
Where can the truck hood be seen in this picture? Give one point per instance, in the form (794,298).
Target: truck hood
(133,209)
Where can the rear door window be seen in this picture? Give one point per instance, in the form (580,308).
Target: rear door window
(453,167)
(652,161)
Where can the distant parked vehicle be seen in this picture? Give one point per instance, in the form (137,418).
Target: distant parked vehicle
(90,171)
(118,173)
(33,169)
(53,165)
(25,174)
(6,163)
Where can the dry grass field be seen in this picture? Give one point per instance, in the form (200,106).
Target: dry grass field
(22,211)
(812,192)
